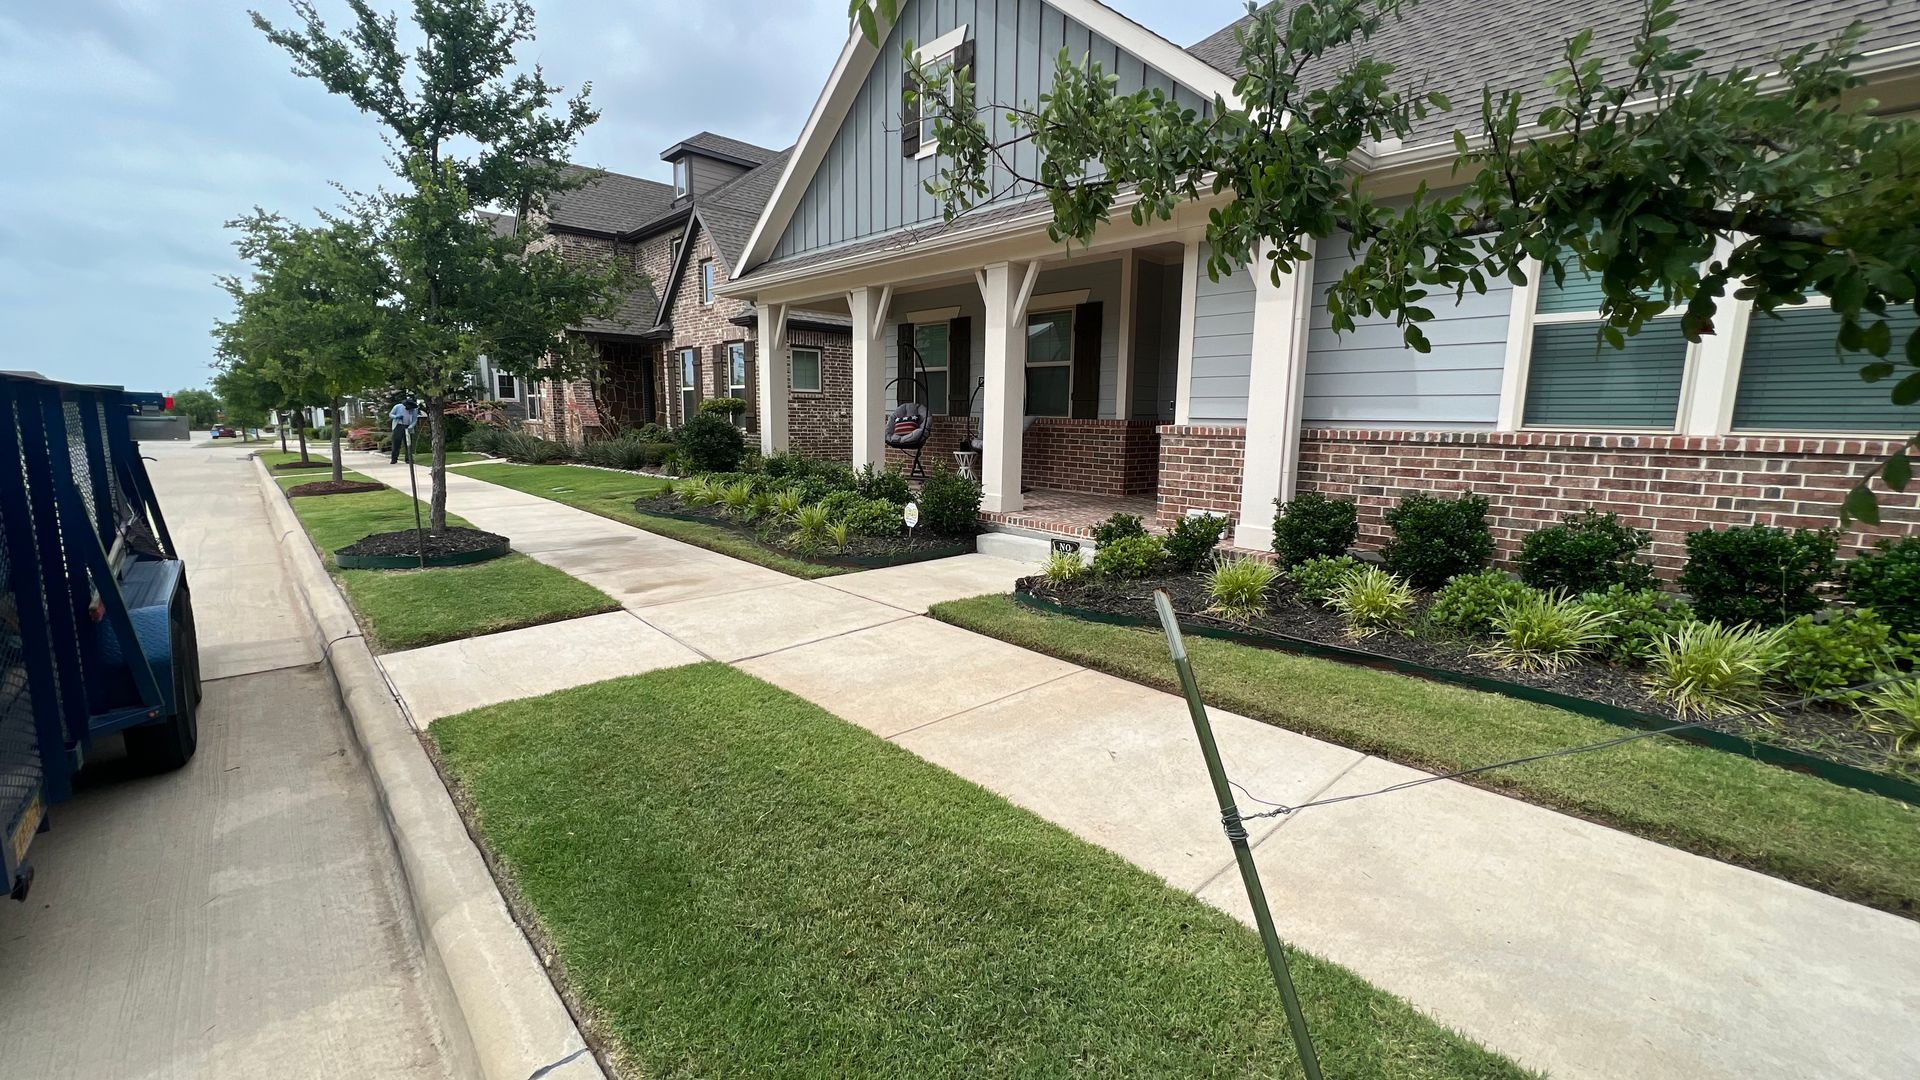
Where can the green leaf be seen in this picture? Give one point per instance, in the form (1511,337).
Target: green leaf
(1875,372)
(1907,391)
(1913,348)
(1878,339)
(868,26)
(1897,471)
(1861,505)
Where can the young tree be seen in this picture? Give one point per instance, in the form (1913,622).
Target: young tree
(311,310)
(1672,183)
(469,130)
(200,407)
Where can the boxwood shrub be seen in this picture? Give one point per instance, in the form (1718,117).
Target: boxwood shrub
(1757,573)
(1313,526)
(1886,578)
(1435,539)
(1586,552)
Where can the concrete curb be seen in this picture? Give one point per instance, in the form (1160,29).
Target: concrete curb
(504,1019)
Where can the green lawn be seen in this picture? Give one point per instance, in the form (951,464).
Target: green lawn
(295,477)
(740,884)
(406,609)
(1857,846)
(611,495)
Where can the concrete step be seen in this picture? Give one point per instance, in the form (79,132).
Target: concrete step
(1024,545)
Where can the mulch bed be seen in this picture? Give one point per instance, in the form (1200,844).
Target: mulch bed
(453,541)
(900,547)
(286,465)
(332,487)
(1820,730)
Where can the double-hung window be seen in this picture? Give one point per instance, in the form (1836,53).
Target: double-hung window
(1575,379)
(948,53)
(689,383)
(934,342)
(737,378)
(806,370)
(706,281)
(1050,363)
(505,387)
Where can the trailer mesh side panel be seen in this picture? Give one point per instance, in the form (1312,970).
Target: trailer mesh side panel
(20,769)
(77,456)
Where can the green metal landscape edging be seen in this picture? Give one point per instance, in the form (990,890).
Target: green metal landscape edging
(413,562)
(849,562)
(1849,776)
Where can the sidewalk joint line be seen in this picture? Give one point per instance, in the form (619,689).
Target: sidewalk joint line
(984,704)
(1254,845)
(818,640)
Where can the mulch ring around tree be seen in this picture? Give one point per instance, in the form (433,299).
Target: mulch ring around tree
(332,487)
(285,465)
(402,549)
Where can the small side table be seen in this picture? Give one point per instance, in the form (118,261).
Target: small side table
(965,460)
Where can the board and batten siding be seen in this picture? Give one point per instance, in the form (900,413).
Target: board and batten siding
(1222,346)
(864,187)
(1369,377)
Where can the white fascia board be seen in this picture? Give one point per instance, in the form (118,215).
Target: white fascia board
(1171,60)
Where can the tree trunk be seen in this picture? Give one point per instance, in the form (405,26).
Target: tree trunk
(437,418)
(282,425)
(333,427)
(304,459)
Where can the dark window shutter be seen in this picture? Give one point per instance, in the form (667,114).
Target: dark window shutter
(963,59)
(909,390)
(721,376)
(909,116)
(699,388)
(753,386)
(960,366)
(1086,362)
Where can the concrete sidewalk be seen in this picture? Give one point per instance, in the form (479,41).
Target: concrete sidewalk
(1572,947)
(242,917)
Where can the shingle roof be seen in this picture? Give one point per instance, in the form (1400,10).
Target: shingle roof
(1457,46)
(609,202)
(502,224)
(980,216)
(719,146)
(730,212)
(637,313)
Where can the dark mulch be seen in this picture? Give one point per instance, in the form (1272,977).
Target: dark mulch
(286,465)
(1832,733)
(405,542)
(332,487)
(775,536)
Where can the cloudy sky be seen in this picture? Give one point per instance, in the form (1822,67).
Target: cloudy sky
(133,129)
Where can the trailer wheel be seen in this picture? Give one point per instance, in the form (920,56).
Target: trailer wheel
(169,744)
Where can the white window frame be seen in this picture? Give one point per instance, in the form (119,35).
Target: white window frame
(933,54)
(737,363)
(1524,317)
(535,403)
(1736,347)
(689,359)
(938,408)
(706,281)
(1041,307)
(500,394)
(682,178)
(819,369)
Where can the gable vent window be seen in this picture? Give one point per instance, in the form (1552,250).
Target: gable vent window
(948,53)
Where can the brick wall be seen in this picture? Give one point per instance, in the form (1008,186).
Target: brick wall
(1200,467)
(1100,457)
(821,425)
(1670,485)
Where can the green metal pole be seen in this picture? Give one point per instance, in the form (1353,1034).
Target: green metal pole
(1237,836)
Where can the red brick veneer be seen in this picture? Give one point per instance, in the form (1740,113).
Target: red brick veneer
(1100,457)
(1668,484)
(1200,467)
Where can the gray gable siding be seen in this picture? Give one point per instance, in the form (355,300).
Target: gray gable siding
(864,187)
(1368,375)
(1222,347)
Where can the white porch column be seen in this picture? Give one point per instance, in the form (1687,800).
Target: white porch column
(1189,295)
(868,307)
(1123,366)
(1713,366)
(1003,411)
(1275,395)
(776,377)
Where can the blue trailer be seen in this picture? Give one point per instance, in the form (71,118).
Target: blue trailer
(96,624)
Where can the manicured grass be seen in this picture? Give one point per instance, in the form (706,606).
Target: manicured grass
(611,494)
(296,477)
(739,884)
(1857,846)
(406,609)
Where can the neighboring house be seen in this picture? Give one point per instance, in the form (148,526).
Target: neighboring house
(1120,376)
(673,342)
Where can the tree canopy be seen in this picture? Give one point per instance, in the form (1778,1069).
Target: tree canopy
(1677,185)
(200,407)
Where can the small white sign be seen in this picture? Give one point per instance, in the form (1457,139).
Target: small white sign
(911,514)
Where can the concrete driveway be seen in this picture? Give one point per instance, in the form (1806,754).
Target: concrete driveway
(242,917)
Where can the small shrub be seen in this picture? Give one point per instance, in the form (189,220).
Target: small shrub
(1313,526)
(869,517)
(1319,578)
(1757,573)
(949,503)
(1130,557)
(728,407)
(1546,631)
(1849,648)
(530,449)
(1118,527)
(787,504)
(621,453)
(888,483)
(1191,541)
(481,440)
(1064,568)
(1893,710)
(1709,669)
(1639,617)
(1469,604)
(1238,587)
(1887,579)
(759,506)
(737,497)
(1586,552)
(811,527)
(650,433)
(1436,539)
(696,491)
(711,444)
(1372,600)
(839,532)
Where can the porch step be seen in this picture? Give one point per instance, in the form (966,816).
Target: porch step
(1025,545)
